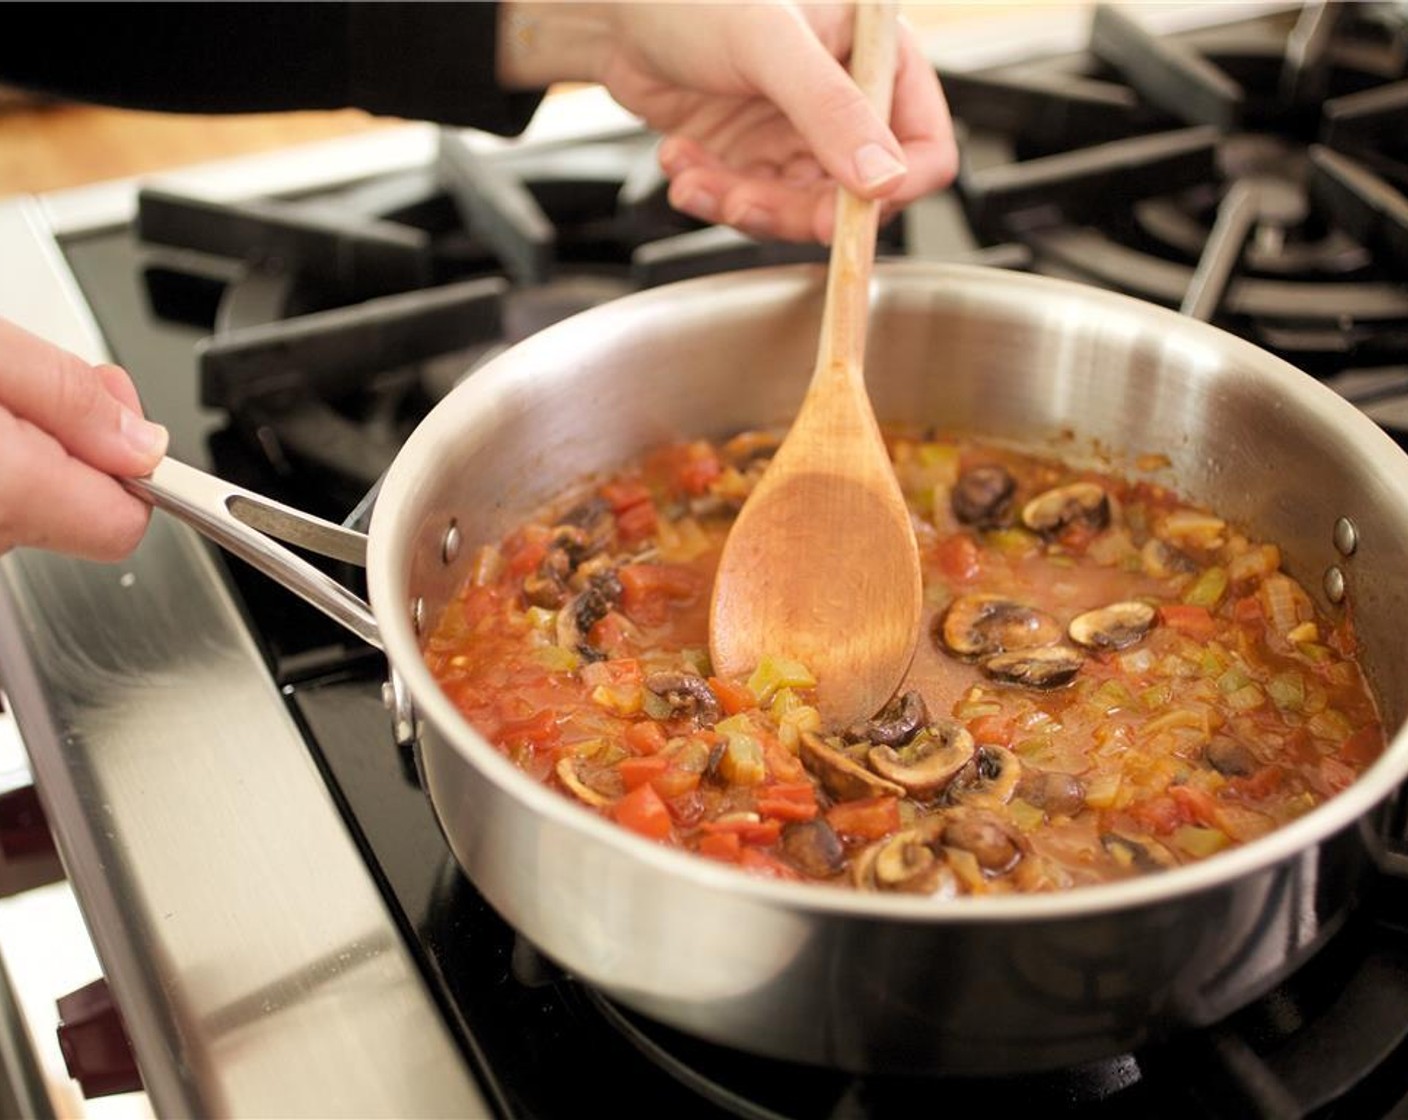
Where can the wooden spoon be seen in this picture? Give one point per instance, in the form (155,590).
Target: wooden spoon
(822,564)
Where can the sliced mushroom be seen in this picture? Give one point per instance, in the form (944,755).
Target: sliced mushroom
(746,447)
(814,848)
(1143,856)
(1035,668)
(1162,561)
(585,529)
(929,762)
(994,844)
(1052,511)
(982,497)
(976,625)
(911,862)
(1053,791)
(989,780)
(688,695)
(585,610)
(547,586)
(567,775)
(843,778)
(1114,627)
(897,722)
(1229,757)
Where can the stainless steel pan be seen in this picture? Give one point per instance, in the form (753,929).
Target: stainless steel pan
(864,982)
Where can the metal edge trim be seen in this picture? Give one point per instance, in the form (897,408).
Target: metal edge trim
(175,1033)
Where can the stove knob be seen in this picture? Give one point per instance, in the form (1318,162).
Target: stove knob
(94,1042)
(24,831)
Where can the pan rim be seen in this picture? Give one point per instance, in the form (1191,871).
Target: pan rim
(1349,809)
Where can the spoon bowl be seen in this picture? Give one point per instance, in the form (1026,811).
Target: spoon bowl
(822,565)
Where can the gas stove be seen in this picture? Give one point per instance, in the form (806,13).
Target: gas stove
(279,919)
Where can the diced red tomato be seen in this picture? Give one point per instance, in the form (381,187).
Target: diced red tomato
(689,467)
(617,671)
(958,558)
(788,801)
(524,551)
(636,772)
(1247,609)
(1159,814)
(781,763)
(995,729)
(870,818)
(1196,622)
(645,736)
(623,493)
(760,863)
(648,590)
(643,812)
(481,602)
(725,846)
(1255,786)
(611,633)
(637,523)
(733,698)
(675,782)
(1197,804)
(538,729)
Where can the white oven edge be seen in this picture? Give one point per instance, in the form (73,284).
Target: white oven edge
(256,963)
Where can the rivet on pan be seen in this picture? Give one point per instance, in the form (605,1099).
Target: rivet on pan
(450,546)
(418,614)
(1334,584)
(1346,536)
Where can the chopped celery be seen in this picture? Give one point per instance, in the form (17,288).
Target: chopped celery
(1330,725)
(1156,696)
(1287,691)
(1200,842)
(1230,681)
(1025,815)
(742,761)
(1100,792)
(1246,698)
(1111,696)
(622,700)
(557,659)
(1208,589)
(774,673)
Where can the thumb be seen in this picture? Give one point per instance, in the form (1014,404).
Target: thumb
(87,409)
(846,135)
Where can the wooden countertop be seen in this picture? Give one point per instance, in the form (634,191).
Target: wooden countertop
(53,146)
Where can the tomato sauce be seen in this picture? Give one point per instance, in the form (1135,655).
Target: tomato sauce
(1111,680)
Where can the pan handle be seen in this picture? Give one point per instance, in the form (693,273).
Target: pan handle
(250,526)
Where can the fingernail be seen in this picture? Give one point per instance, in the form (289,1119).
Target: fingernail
(670,156)
(143,436)
(702,204)
(875,166)
(755,220)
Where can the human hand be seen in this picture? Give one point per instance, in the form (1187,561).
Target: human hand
(68,431)
(759,117)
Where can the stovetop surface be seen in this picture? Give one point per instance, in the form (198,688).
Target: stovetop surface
(1331,1041)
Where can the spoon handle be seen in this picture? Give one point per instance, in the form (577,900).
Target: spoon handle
(873,58)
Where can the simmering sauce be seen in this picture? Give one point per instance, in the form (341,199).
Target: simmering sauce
(1111,680)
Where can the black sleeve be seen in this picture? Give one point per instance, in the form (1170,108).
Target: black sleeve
(423,61)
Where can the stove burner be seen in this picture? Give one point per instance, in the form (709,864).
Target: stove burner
(1277,211)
